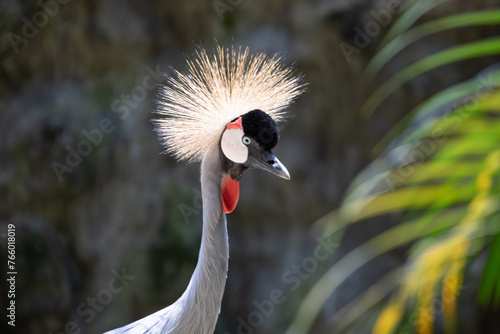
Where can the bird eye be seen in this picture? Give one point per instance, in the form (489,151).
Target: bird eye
(246,140)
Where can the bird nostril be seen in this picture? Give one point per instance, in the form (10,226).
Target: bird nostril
(271,162)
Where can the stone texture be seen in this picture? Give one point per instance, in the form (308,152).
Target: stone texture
(125,205)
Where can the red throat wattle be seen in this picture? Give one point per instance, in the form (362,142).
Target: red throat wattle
(229,194)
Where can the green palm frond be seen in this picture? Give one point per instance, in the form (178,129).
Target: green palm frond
(441,173)
(409,17)
(487,47)
(397,44)
(490,286)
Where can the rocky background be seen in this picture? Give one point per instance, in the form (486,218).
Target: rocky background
(108,228)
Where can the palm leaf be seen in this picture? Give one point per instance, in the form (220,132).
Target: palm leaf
(409,17)
(340,272)
(443,100)
(348,317)
(441,174)
(457,21)
(487,47)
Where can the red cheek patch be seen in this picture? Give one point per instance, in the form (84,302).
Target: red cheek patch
(229,194)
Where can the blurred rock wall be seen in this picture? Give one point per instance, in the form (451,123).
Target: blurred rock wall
(95,202)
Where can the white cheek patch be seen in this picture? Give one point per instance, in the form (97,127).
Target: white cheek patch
(232,145)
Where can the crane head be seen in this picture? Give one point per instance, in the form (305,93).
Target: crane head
(247,142)
(218,89)
(229,101)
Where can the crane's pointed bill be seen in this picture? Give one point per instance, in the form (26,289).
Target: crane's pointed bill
(229,194)
(269,163)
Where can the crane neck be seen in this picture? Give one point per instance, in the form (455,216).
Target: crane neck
(203,296)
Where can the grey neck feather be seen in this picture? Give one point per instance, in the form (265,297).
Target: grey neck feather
(202,299)
(197,310)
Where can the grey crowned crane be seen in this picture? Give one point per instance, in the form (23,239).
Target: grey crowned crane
(223,112)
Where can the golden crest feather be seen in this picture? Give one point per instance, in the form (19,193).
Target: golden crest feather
(217,89)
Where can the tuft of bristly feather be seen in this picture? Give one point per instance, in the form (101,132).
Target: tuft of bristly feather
(215,90)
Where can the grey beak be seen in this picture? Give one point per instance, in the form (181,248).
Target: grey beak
(271,164)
